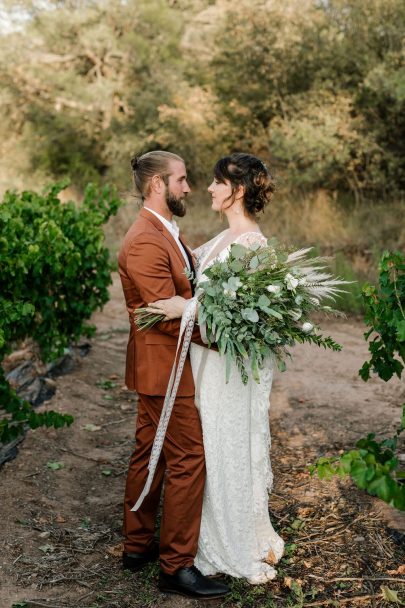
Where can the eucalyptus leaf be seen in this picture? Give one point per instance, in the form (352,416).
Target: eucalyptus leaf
(238,251)
(254,263)
(263,301)
(228,365)
(236,265)
(249,314)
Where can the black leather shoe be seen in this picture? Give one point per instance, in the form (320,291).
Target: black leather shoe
(191,583)
(137,561)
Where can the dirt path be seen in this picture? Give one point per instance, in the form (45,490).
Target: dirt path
(61,528)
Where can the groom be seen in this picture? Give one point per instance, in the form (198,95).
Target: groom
(152,264)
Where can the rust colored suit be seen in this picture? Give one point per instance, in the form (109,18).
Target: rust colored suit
(151,268)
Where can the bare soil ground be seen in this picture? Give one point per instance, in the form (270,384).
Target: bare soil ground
(60,540)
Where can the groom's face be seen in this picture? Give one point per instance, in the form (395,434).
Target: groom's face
(177,188)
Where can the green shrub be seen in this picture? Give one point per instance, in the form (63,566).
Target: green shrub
(54,272)
(374,465)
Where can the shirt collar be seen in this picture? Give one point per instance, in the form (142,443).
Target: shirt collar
(171,226)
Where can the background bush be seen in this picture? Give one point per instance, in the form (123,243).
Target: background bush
(316,88)
(54,272)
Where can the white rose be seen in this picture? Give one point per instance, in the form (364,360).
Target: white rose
(276,289)
(291,281)
(230,293)
(307,327)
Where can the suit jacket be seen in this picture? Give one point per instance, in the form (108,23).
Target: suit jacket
(151,268)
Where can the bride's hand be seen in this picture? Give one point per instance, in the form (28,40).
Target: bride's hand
(172,308)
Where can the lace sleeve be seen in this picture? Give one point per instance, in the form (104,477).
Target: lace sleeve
(250,238)
(199,252)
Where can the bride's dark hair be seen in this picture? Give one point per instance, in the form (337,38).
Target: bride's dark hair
(250,172)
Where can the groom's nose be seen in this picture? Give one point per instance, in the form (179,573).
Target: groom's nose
(186,188)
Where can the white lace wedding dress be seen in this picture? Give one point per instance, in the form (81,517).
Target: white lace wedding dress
(236,533)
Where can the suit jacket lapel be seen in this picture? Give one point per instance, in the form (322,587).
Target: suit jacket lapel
(165,232)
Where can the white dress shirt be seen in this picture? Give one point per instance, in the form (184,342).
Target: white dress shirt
(174,231)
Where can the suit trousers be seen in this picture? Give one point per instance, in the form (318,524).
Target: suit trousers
(182,467)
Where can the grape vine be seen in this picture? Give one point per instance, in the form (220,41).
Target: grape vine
(374,465)
(54,272)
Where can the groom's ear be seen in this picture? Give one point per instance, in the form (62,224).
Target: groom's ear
(157,184)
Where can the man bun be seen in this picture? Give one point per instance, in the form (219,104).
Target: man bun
(135,163)
(145,166)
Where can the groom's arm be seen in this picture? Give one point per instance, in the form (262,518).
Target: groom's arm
(148,267)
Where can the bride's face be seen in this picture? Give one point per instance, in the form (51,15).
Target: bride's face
(220,193)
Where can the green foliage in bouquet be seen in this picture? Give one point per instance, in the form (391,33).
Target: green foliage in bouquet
(257,302)
(374,465)
(54,272)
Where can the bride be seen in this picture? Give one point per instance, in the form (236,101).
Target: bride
(236,535)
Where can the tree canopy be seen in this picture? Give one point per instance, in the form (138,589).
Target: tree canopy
(315,88)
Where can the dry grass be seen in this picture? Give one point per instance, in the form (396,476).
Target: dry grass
(353,235)
(315,219)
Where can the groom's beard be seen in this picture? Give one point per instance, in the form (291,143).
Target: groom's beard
(176,205)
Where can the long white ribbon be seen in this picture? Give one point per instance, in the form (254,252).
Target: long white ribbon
(186,329)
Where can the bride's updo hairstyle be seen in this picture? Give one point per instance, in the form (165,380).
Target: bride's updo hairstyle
(250,172)
(149,164)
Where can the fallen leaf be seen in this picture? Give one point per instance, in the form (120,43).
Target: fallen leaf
(292,583)
(91,427)
(60,519)
(55,466)
(297,524)
(390,595)
(116,550)
(307,564)
(303,512)
(47,548)
(400,570)
(45,534)
(106,472)
(271,558)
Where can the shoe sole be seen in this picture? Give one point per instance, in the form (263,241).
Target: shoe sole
(139,567)
(195,597)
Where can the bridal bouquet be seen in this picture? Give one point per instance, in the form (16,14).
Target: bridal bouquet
(257,302)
